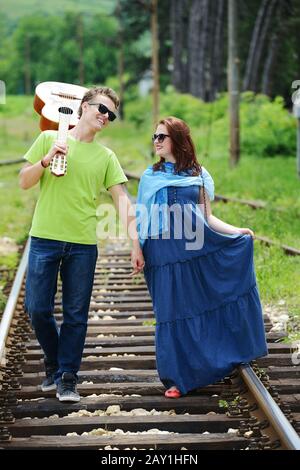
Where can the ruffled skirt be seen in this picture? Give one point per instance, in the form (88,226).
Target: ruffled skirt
(207,308)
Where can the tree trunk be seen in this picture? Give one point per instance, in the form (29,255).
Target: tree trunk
(233,84)
(274,43)
(155,63)
(218,48)
(266,85)
(80,50)
(121,67)
(253,45)
(177,37)
(193,47)
(206,52)
(179,25)
(121,77)
(261,45)
(205,35)
(27,66)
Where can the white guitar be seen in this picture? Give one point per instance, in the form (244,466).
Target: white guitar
(58,105)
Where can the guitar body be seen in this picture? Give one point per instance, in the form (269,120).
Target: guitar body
(58,104)
(49,96)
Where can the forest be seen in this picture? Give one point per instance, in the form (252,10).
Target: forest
(87,43)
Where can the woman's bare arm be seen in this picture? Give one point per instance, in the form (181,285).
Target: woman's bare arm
(217,224)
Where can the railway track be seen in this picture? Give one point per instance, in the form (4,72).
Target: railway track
(122,403)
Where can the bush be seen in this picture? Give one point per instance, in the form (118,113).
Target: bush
(267,128)
(139,112)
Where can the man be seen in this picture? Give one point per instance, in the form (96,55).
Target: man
(63,235)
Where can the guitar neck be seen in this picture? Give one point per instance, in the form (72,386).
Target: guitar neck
(65,114)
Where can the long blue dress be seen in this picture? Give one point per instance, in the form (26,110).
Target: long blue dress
(206,301)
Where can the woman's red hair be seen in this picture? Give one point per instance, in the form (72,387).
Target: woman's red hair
(182,146)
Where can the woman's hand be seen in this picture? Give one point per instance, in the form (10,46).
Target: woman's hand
(137,260)
(246,231)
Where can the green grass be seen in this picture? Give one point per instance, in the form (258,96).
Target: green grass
(278,276)
(270,179)
(16,205)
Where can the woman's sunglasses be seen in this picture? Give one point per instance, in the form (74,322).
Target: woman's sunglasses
(104,110)
(160,137)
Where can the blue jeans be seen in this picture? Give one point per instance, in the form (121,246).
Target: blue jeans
(76,262)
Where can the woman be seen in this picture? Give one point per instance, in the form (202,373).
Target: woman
(199,270)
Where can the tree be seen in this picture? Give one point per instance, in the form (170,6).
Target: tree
(218,50)
(91,48)
(233,83)
(197,30)
(154,61)
(30,42)
(257,45)
(195,47)
(178,31)
(281,25)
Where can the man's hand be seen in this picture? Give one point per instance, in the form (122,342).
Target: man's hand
(57,147)
(137,260)
(30,174)
(126,211)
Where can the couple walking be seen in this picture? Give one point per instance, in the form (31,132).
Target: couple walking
(201,281)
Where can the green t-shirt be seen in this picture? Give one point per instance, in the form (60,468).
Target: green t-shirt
(66,207)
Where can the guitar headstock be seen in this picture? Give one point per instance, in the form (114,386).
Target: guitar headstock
(58,165)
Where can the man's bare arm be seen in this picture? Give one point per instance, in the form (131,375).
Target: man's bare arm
(31,174)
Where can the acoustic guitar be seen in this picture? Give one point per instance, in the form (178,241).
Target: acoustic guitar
(58,104)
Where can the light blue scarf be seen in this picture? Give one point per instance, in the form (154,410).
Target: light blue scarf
(153,194)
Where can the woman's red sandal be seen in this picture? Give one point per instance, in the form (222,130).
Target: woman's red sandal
(173,393)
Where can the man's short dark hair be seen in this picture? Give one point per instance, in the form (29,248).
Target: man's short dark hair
(103,90)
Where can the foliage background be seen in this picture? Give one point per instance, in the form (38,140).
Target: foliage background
(71,40)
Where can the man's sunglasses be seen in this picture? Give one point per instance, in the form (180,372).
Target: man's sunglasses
(160,137)
(104,110)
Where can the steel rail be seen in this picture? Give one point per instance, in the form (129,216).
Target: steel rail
(287,434)
(12,301)
(12,162)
